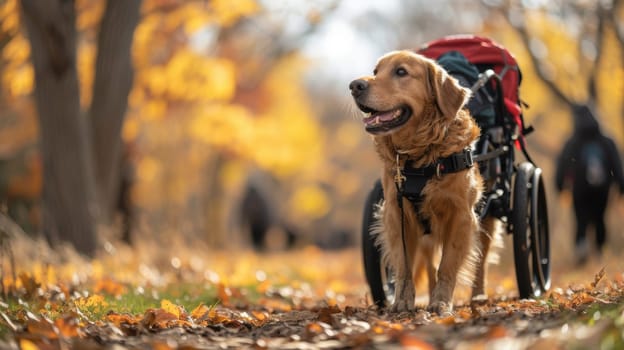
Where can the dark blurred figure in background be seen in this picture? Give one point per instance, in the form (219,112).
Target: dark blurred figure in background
(588,165)
(125,206)
(258,216)
(255,214)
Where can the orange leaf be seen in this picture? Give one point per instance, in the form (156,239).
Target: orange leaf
(29,283)
(67,326)
(199,312)
(26,344)
(598,277)
(260,315)
(42,328)
(109,286)
(275,305)
(119,319)
(449,320)
(224,293)
(314,328)
(415,343)
(325,314)
(170,308)
(158,318)
(497,332)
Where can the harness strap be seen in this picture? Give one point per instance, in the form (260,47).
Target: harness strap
(413,180)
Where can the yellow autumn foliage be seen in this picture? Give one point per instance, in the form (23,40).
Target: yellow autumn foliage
(19,82)
(9,16)
(569,74)
(288,136)
(561,48)
(309,202)
(221,125)
(89,14)
(170,307)
(189,76)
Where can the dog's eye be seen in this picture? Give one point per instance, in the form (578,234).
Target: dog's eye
(401,72)
(375,71)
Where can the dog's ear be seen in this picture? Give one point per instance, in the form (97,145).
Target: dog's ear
(449,96)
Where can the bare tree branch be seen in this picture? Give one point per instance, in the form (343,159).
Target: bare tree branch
(526,40)
(603,17)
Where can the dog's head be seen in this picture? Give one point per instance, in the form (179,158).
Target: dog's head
(403,83)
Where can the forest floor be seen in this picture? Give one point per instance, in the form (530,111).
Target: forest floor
(172,296)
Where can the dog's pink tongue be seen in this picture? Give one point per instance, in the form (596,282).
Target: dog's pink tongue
(380,117)
(386,116)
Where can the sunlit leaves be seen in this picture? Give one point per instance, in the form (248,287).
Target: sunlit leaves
(227,11)
(9,17)
(558,51)
(190,77)
(228,126)
(310,201)
(18,74)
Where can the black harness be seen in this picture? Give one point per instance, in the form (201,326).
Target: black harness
(411,181)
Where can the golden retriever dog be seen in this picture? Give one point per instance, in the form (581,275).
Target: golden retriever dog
(414,110)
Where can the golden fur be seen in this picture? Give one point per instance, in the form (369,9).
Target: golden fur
(438,127)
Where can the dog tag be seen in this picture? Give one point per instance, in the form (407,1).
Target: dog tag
(399,177)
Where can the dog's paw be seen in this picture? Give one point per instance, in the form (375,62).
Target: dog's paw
(480,299)
(404,296)
(402,306)
(441,308)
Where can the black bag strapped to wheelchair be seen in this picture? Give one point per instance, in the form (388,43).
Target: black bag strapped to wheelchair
(482,103)
(411,181)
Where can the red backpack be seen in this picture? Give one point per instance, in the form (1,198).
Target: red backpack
(486,54)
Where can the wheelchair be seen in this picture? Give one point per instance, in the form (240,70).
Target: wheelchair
(514,190)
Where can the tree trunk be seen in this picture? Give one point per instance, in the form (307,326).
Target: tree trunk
(113,80)
(67,200)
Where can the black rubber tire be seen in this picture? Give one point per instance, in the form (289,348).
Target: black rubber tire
(540,230)
(524,257)
(370,251)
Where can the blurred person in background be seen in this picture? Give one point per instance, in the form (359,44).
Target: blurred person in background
(588,165)
(258,216)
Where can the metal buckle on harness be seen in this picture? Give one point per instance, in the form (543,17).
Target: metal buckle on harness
(438,170)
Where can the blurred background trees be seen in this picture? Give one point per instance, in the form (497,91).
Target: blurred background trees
(230,92)
(79,151)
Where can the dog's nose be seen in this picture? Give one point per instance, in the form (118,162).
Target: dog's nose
(358,86)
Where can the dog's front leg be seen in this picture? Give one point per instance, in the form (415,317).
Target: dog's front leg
(486,236)
(404,295)
(404,291)
(456,248)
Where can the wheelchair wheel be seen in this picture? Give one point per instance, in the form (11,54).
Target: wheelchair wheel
(539,222)
(529,220)
(378,277)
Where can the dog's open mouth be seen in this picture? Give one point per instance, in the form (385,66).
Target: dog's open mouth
(379,122)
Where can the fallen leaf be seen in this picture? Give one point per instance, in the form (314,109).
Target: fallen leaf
(42,329)
(497,332)
(26,344)
(170,307)
(598,277)
(119,319)
(109,286)
(415,343)
(157,318)
(448,320)
(199,312)
(68,326)
(29,283)
(325,314)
